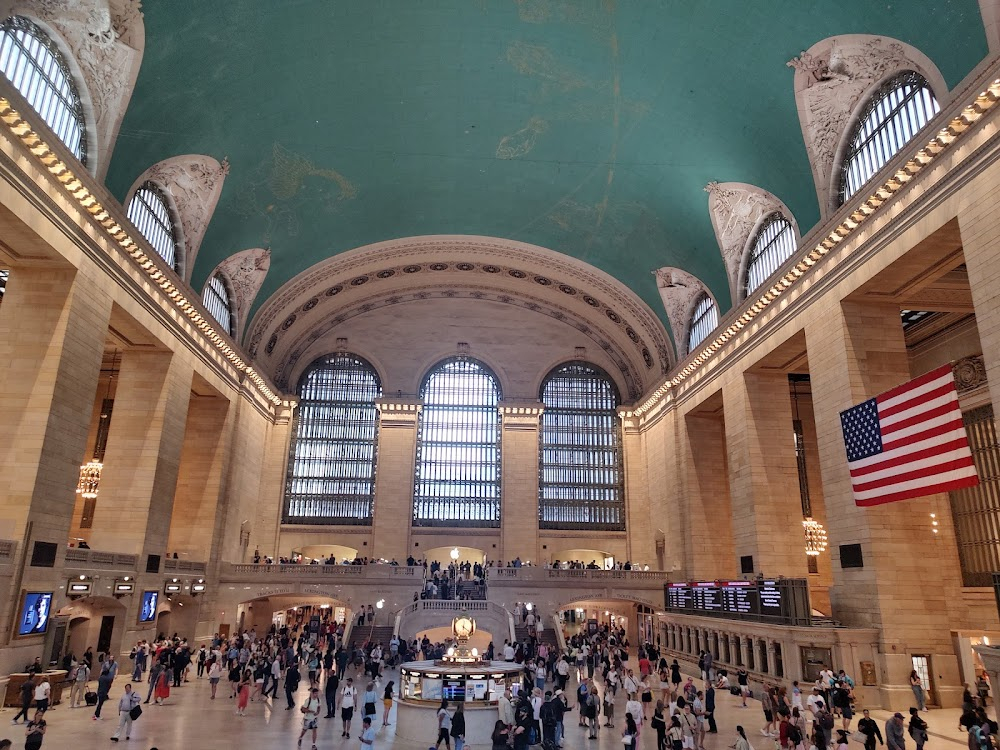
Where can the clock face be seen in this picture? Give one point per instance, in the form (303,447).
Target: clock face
(464,627)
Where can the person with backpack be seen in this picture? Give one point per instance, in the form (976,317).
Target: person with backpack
(128,703)
(825,722)
(80,678)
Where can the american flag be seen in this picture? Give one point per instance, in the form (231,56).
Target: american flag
(908,442)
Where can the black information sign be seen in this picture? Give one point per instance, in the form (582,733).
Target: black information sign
(784,601)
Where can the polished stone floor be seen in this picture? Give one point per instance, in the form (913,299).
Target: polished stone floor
(190,721)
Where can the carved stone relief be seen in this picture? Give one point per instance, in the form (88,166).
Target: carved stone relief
(194,184)
(679,290)
(832,78)
(736,209)
(245,271)
(970,373)
(105,40)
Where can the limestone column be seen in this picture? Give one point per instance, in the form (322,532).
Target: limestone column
(397,452)
(744,661)
(641,546)
(772,665)
(708,514)
(142,460)
(519,424)
(271,440)
(53,326)
(734,649)
(910,577)
(763,474)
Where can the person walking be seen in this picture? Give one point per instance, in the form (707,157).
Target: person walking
(27,693)
(917,686)
(103,691)
(387,702)
(310,716)
(78,690)
(894,738)
(154,674)
(243,693)
(710,708)
(348,699)
(659,725)
(742,743)
(367,734)
(43,690)
(630,735)
(214,675)
(291,684)
(129,701)
(35,731)
(162,690)
(330,693)
(458,726)
(917,728)
(368,701)
(869,728)
(444,725)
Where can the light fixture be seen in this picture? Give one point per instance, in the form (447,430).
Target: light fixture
(90,473)
(529,606)
(454,553)
(815,536)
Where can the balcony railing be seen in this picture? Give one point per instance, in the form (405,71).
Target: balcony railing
(380,571)
(540,575)
(93,558)
(187,566)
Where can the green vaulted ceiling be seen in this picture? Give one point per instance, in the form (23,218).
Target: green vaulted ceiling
(586,126)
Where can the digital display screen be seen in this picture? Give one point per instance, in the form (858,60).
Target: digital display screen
(147,613)
(785,600)
(454,690)
(35,614)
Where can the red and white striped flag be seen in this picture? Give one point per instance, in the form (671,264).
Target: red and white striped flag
(908,442)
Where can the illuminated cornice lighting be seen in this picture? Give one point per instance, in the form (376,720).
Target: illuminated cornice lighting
(983,103)
(51,162)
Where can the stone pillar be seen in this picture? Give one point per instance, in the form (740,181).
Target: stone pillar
(745,652)
(772,665)
(397,452)
(641,546)
(910,577)
(272,441)
(707,507)
(204,454)
(519,424)
(143,455)
(53,326)
(763,474)
(734,650)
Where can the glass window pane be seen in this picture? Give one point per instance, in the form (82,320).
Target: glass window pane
(216,299)
(775,243)
(457,479)
(33,63)
(331,469)
(703,322)
(149,213)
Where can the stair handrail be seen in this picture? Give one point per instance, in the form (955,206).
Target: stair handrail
(560,638)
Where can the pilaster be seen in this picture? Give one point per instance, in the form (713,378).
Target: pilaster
(397,451)
(519,424)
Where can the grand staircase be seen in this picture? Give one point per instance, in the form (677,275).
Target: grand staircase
(547,636)
(371,634)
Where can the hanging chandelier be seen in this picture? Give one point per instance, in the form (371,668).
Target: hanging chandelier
(815,536)
(90,479)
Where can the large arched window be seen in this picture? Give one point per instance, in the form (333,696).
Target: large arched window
(773,245)
(703,321)
(899,108)
(218,303)
(36,67)
(150,213)
(458,447)
(331,470)
(580,458)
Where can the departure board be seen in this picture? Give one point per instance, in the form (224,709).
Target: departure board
(784,601)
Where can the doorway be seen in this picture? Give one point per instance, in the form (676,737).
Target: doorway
(104,637)
(922,666)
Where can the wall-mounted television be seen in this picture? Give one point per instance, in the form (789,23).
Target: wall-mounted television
(147,612)
(35,613)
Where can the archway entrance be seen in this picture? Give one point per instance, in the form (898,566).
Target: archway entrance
(296,612)
(443,635)
(94,621)
(444,555)
(584,557)
(323,552)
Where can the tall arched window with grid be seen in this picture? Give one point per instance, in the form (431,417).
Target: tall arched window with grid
(704,319)
(773,244)
(899,108)
(331,469)
(150,213)
(34,65)
(219,303)
(457,479)
(580,484)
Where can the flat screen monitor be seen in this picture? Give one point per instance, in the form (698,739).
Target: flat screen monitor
(35,613)
(147,613)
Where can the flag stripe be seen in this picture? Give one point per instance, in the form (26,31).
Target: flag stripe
(915,419)
(937,427)
(917,400)
(951,460)
(951,481)
(955,446)
(888,396)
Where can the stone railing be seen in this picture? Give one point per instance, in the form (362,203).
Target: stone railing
(542,575)
(454,607)
(261,572)
(93,558)
(186,566)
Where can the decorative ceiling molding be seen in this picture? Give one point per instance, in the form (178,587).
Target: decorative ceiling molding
(833,80)
(737,210)
(245,271)
(679,290)
(537,279)
(193,183)
(103,41)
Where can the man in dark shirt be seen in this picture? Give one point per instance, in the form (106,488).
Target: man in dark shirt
(292,678)
(710,708)
(869,728)
(27,693)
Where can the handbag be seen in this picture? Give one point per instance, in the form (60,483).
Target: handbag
(136,712)
(627,739)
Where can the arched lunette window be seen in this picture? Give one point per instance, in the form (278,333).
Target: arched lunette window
(38,70)
(703,321)
(331,469)
(580,457)
(773,245)
(457,479)
(218,302)
(150,212)
(899,108)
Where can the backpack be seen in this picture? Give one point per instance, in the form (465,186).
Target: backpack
(547,715)
(794,735)
(826,720)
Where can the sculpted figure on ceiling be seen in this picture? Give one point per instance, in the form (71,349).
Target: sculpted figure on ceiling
(104,40)
(833,80)
(737,209)
(245,272)
(679,291)
(194,184)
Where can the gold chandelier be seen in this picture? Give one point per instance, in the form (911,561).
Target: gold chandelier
(815,536)
(90,479)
